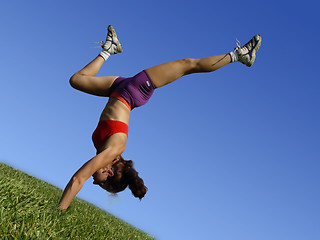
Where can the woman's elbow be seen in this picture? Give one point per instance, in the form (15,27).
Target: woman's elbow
(77,180)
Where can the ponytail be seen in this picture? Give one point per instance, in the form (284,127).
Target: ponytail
(136,184)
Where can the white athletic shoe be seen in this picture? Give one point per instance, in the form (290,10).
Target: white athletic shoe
(247,53)
(112,44)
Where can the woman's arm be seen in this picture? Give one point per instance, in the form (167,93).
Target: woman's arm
(78,179)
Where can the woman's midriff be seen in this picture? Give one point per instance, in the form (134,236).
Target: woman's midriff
(115,110)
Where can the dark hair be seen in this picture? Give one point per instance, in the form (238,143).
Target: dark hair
(125,175)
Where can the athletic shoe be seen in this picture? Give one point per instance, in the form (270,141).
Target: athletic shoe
(112,44)
(247,53)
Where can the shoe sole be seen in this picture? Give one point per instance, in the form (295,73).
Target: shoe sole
(252,53)
(115,38)
(259,42)
(256,48)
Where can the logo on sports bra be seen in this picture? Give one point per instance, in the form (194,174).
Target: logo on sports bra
(148,83)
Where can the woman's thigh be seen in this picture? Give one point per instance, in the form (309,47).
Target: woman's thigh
(166,73)
(98,86)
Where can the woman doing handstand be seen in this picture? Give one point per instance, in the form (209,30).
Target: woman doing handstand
(108,168)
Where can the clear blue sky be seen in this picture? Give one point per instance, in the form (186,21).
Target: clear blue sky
(228,155)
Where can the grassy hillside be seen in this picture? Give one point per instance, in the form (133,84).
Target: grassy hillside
(28,210)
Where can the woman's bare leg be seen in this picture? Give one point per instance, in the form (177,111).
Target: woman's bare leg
(168,72)
(86,81)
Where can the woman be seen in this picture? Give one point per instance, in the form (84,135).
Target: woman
(108,168)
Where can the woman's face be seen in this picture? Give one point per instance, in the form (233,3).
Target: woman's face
(116,182)
(102,174)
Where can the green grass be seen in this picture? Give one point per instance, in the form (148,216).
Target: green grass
(29,210)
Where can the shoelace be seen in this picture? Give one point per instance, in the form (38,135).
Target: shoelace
(238,43)
(100,43)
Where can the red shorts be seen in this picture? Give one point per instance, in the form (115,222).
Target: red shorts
(106,129)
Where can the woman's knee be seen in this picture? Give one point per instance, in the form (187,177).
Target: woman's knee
(190,65)
(74,80)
